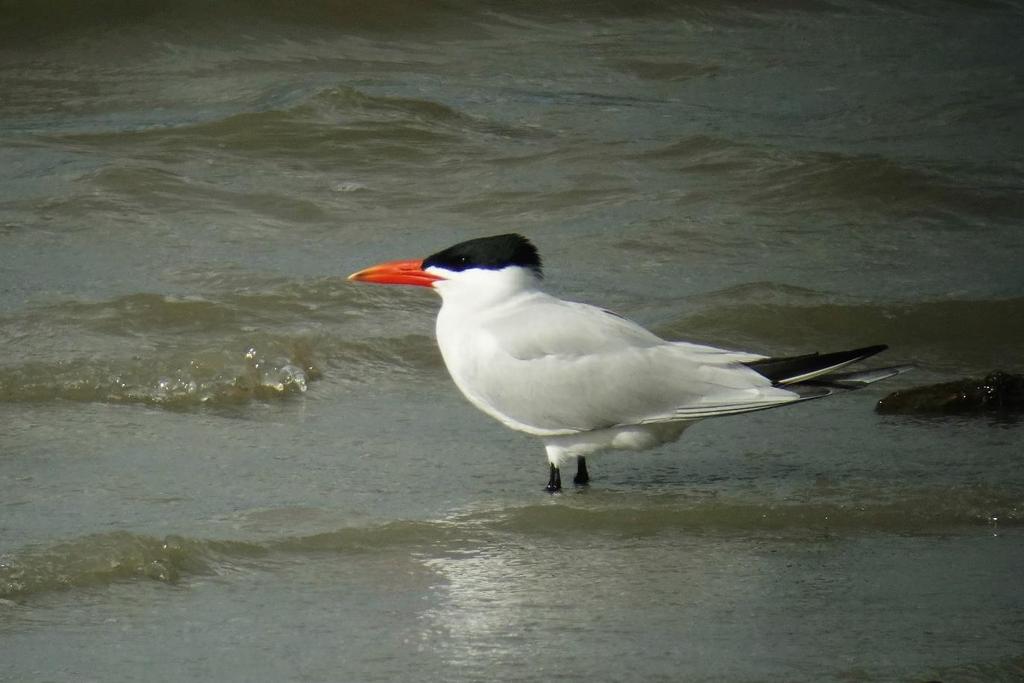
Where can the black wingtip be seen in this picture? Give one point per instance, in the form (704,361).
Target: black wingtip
(795,369)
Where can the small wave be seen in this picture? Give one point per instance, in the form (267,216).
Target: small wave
(793,183)
(706,153)
(911,512)
(103,559)
(329,122)
(258,342)
(227,374)
(413,535)
(213,377)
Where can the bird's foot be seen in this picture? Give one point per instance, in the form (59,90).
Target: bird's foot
(582,477)
(554,481)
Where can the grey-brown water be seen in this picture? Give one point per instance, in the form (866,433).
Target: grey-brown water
(221,461)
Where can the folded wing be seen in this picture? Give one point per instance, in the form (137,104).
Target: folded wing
(615,372)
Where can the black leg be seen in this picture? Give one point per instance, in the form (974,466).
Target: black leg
(554,481)
(582,477)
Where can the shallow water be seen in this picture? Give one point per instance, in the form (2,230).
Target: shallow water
(221,461)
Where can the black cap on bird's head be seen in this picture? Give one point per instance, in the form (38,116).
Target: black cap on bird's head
(488,253)
(484,253)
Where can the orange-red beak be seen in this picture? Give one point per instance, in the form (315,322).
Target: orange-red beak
(396,273)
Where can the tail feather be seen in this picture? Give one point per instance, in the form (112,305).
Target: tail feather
(800,369)
(860,378)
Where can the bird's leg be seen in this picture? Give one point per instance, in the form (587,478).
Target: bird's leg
(582,477)
(554,481)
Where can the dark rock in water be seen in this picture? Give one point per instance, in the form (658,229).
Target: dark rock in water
(997,392)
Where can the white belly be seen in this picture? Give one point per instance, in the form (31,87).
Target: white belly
(563,449)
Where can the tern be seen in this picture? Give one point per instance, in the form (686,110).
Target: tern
(581,378)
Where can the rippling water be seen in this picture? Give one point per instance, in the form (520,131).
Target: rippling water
(221,461)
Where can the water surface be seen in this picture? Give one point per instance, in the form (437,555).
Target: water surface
(221,461)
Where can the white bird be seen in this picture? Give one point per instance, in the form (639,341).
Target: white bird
(581,378)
